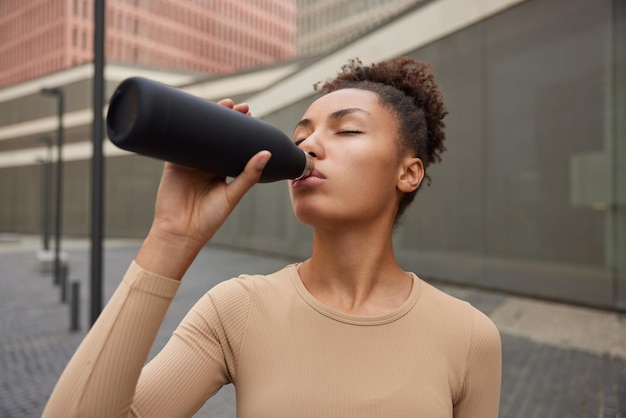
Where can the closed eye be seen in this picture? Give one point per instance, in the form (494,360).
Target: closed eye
(345,132)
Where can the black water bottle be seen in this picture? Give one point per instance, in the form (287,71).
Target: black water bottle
(156,120)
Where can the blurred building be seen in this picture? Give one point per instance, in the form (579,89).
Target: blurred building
(326,24)
(530,196)
(38,37)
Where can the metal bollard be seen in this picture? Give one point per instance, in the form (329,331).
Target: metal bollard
(75,306)
(63,282)
(55,275)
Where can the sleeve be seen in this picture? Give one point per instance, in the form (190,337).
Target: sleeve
(480,396)
(101,377)
(199,358)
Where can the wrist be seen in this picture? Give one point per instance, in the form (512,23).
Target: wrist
(167,254)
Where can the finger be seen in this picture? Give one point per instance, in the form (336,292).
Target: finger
(248,178)
(242,107)
(227,103)
(177,168)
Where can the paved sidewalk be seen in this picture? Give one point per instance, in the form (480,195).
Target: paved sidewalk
(559,360)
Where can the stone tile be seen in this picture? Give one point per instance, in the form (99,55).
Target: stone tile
(564,326)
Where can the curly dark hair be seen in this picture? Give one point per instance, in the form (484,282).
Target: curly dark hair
(408,87)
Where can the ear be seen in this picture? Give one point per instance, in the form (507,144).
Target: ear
(410,175)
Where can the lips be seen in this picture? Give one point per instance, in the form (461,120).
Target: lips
(316,177)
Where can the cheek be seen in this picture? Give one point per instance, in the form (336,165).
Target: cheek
(373,171)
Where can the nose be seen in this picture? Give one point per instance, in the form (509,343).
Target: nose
(313,146)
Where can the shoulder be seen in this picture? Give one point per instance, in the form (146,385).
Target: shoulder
(444,307)
(458,314)
(225,309)
(238,292)
(468,338)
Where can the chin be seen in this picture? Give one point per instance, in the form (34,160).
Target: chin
(306,216)
(317,217)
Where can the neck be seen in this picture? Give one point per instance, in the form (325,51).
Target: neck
(354,270)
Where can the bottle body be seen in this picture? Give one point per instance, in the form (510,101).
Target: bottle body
(159,121)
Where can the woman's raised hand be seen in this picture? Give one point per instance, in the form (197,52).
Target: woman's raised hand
(191,205)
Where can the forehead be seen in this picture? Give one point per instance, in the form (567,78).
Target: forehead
(345,99)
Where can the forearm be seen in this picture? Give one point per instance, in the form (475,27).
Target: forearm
(101,377)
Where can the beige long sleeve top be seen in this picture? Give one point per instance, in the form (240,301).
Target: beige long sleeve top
(287,354)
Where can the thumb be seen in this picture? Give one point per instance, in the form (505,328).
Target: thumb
(248,178)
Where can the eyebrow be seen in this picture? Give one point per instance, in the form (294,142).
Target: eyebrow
(335,115)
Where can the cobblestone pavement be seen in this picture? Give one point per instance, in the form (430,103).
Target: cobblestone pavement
(558,360)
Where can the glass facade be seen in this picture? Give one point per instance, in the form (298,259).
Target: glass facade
(523,198)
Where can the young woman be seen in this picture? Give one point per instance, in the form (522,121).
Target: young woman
(346,333)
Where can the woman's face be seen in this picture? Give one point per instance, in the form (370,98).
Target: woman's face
(353,139)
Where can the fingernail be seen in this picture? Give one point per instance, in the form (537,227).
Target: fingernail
(262,162)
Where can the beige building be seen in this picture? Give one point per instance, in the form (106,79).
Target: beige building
(38,37)
(324,25)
